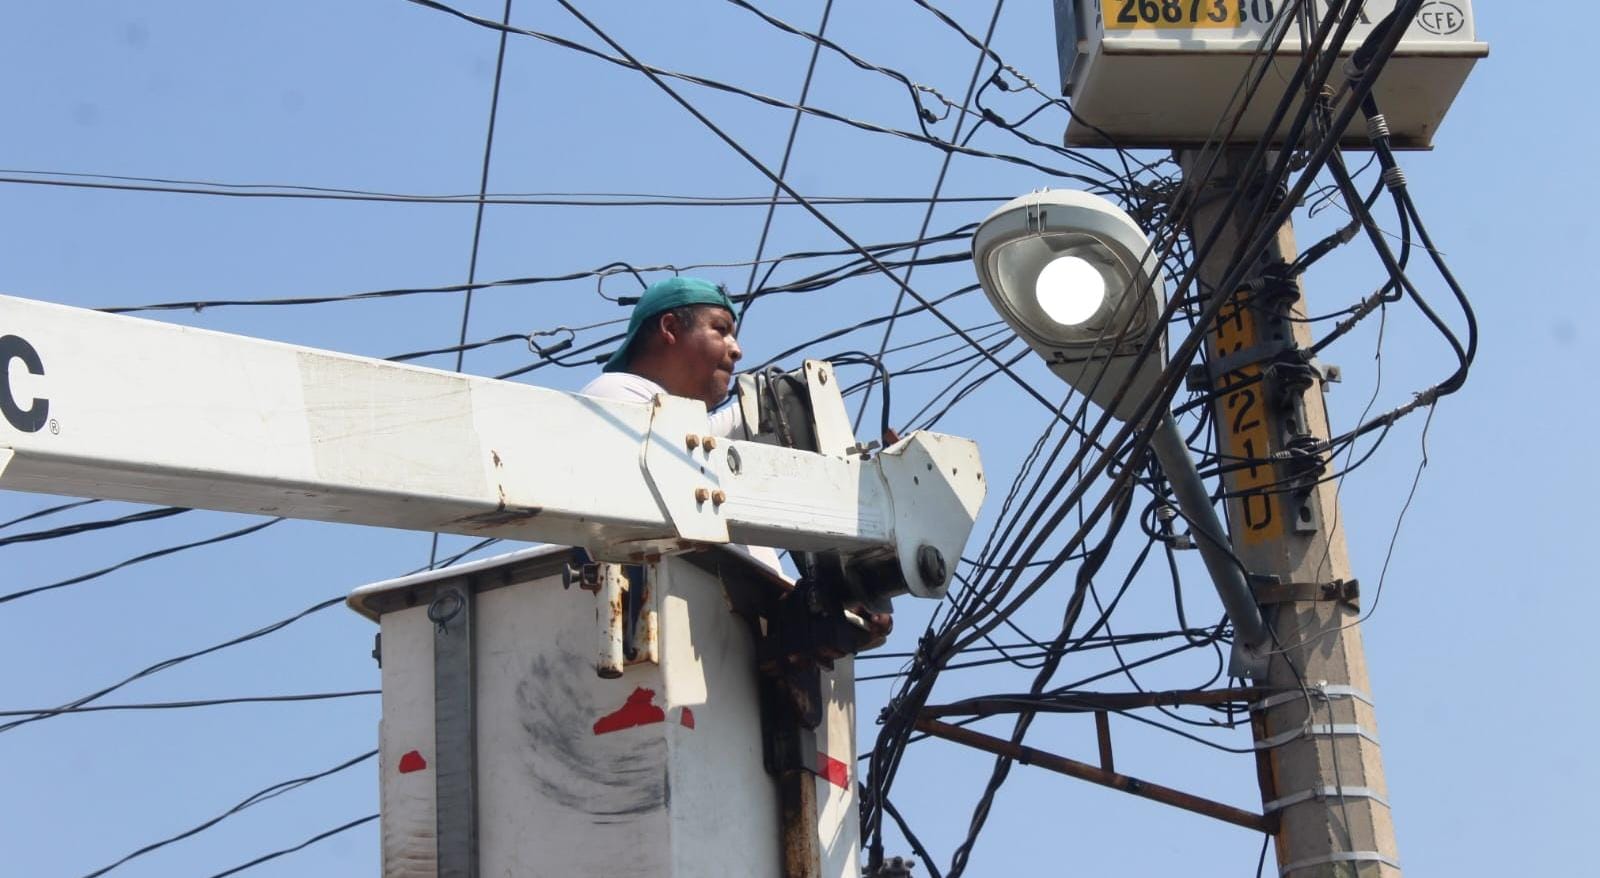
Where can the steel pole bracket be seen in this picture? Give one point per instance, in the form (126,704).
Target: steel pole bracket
(1269,590)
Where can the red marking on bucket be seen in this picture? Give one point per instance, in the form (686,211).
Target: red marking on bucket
(686,719)
(833,771)
(412,761)
(640,710)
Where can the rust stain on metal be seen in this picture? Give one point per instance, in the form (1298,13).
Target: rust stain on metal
(616,610)
(797,801)
(1101,776)
(495,455)
(501,516)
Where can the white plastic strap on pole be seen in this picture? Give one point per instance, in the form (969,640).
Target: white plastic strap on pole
(1341,857)
(1323,691)
(1316,730)
(1323,794)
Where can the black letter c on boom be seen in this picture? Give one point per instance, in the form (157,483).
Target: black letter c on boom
(33,418)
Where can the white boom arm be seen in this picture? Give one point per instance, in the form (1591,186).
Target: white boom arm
(120,408)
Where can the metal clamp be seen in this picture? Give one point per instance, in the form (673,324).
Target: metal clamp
(893,867)
(1204,376)
(1347,592)
(444,607)
(1323,794)
(1317,730)
(1323,691)
(1341,857)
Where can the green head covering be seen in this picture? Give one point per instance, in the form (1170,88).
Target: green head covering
(674,292)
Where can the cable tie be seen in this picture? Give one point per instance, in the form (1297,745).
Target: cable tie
(1317,730)
(1378,127)
(1324,691)
(1340,857)
(1395,178)
(1322,794)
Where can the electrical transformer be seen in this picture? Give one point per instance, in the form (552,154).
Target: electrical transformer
(1164,73)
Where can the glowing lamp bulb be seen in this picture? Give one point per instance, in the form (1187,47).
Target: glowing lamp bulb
(1070,290)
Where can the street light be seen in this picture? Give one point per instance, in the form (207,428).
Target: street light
(1077,279)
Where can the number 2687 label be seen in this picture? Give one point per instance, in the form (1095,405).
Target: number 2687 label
(1186,14)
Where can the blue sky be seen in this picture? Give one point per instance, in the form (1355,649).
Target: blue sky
(1476,648)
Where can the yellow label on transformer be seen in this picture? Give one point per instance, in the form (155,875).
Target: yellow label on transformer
(1126,15)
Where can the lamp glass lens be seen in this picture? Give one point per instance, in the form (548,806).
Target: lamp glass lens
(1070,290)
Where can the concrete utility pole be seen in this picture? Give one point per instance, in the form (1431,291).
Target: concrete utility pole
(1318,760)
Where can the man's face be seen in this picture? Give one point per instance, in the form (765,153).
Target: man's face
(705,352)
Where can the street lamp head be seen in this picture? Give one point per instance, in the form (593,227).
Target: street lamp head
(1075,277)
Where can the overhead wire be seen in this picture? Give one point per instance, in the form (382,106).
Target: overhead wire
(321,836)
(783,165)
(477,224)
(42,513)
(624,59)
(1122,436)
(1119,457)
(938,187)
(264,794)
(137,559)
(167,186)
(192,703)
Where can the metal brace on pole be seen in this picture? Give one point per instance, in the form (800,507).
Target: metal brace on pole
(455,733)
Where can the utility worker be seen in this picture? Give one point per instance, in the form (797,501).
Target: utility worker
(680,341)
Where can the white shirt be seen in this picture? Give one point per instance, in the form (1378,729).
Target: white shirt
(726,422)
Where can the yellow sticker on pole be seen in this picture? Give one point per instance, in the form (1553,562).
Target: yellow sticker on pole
(1245,437)
(1125,15)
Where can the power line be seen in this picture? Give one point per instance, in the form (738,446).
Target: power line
(167,186)
(301,846)
(139,559)
(202,702)
(477,225)
(938,186)
(656,73)
(255,798)
(783,166)
(88,526)
(46,512)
